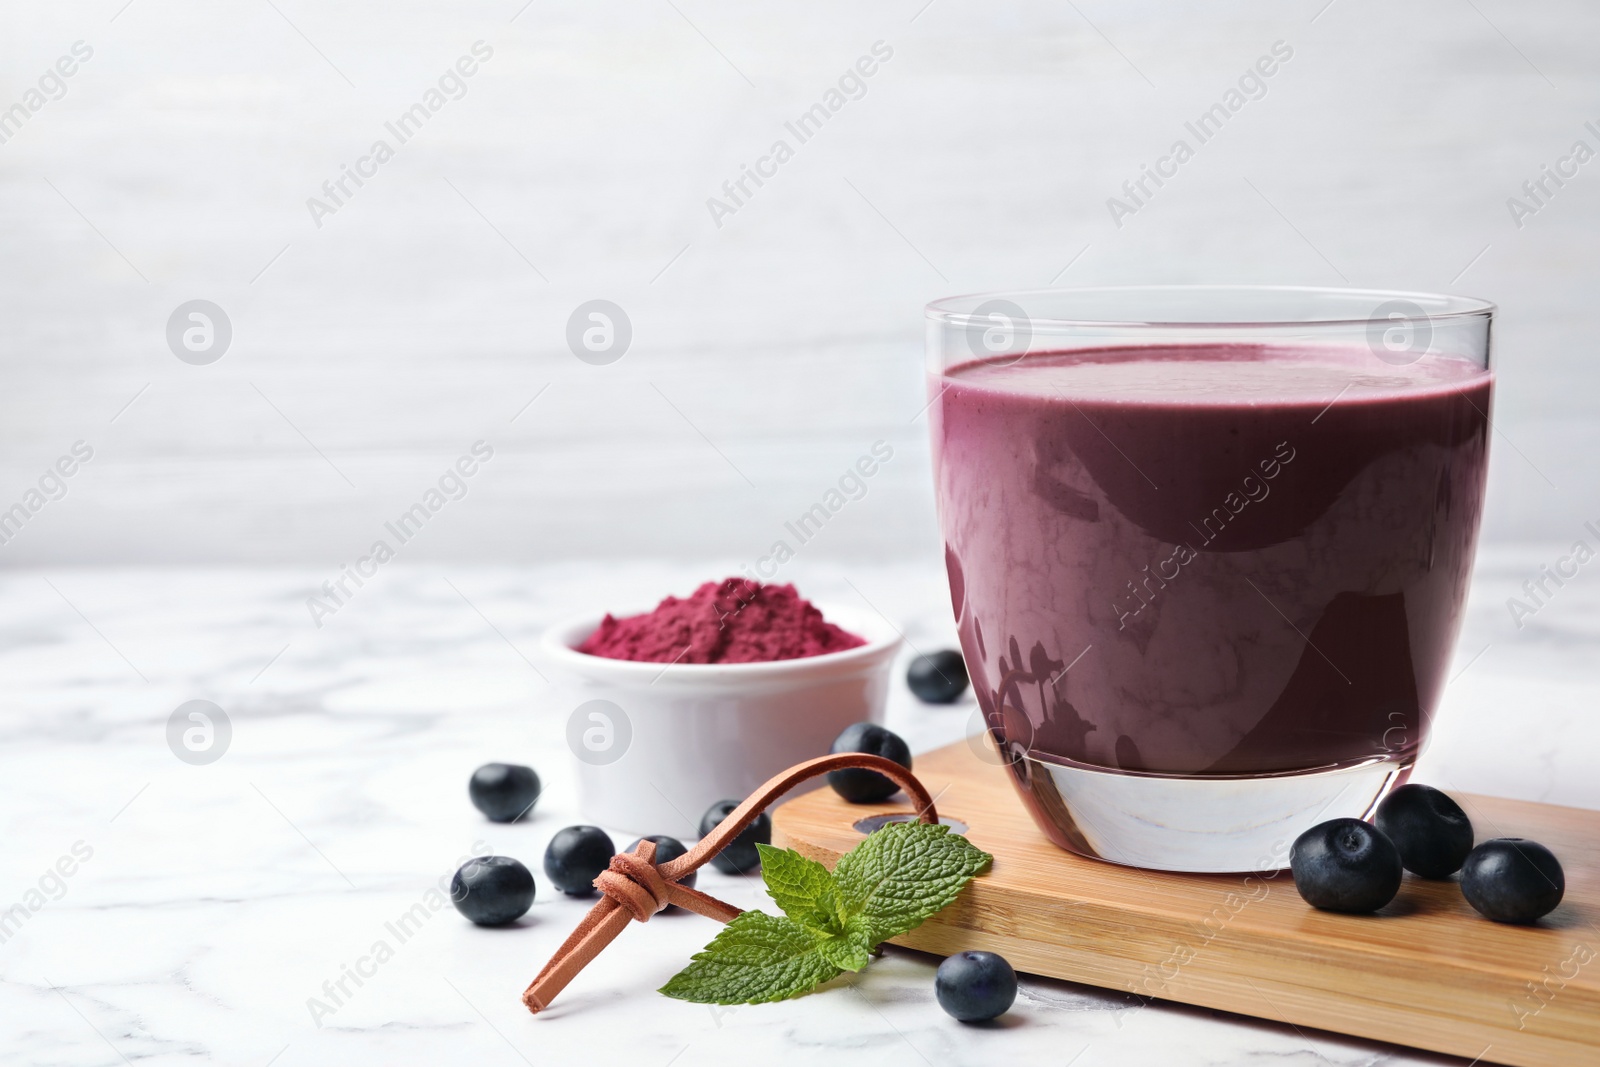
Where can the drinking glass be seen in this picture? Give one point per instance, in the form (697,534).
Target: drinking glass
(1207,550)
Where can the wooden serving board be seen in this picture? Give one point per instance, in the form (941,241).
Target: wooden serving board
(1427,971)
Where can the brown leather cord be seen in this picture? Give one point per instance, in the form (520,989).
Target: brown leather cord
(635,887)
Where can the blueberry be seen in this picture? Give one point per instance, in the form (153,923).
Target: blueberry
(1345,865)
(975,987)
(492,890)
(667,848)
(868,787)
(740,855)
(504,791)
(576,857)
(939,677)
(1430,830)
(1511,880)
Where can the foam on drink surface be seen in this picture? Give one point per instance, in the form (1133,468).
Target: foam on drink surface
(1213,374)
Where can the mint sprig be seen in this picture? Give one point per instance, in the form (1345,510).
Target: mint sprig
(885,886)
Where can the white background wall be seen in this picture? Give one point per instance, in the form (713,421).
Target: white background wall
(768,353)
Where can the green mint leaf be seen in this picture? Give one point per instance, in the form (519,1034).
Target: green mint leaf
(885,886)
(755,959)
(848,951)
(803,888)
(903,873)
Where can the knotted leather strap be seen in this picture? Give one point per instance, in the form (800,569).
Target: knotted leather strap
(635,887)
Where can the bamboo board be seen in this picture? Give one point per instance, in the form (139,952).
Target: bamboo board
(1427,971)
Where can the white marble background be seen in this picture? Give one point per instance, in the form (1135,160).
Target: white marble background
(219,898)
(768,355)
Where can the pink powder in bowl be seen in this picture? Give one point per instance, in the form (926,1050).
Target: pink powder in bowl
(731,621)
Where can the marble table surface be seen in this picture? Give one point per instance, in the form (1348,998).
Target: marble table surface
(206,905)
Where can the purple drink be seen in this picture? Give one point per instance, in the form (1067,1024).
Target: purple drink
(1204,561)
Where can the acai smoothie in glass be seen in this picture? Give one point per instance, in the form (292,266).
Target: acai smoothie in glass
(1207,549)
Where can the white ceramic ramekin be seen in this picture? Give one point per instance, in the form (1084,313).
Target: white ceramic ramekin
(656,745)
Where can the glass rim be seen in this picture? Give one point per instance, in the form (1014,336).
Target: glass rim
(959,311)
